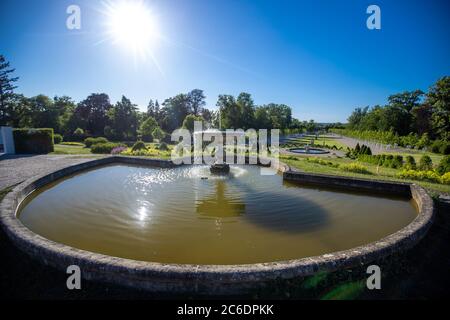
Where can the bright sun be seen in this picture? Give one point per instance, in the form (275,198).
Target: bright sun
(131,25)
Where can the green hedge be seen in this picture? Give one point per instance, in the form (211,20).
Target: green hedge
(105,148)
(57,138)
(88,142)
(34,141)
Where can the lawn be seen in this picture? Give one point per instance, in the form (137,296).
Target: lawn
(300,162)
(65,149)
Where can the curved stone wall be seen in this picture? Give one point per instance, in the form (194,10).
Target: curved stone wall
(209,279)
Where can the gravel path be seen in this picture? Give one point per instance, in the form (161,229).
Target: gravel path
(18,168)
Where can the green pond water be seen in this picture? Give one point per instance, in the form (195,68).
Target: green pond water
(186,215)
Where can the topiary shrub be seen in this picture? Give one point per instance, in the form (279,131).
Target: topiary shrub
(444,165)
(78,134)
(33,141)
(397,162)
(445,179)
(425,163)
(88,142)
(159,134)
(163,146)
(105,148)
(445,148)
(410,163)
(57,138)
(139,145)
(436,146)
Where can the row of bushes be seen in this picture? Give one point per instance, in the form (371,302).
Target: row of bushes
(396,162)
(350,167)
(388,137)
(385,160)
(358,150)
(431,176)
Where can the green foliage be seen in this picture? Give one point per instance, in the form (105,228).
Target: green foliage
(77,144)
(105,148)
(124,120)
(139,145)
(88,142)
(147,128)
(57,138)
(323,162)
(423,175)
(159,134)
(35,141)
(410,163)
(188,122)
(6,91)
(444,165)
(445,148)
(78,134)
(351,167)
(163,146)
(425,163)
(445,179)
(358,151)
(354,167)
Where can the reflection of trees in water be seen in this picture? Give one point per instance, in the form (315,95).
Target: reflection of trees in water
(219,205)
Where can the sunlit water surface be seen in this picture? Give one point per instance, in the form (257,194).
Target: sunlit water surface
(185,215)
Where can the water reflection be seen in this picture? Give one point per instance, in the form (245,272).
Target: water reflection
(219,204)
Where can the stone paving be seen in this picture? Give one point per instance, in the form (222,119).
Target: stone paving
(16,169)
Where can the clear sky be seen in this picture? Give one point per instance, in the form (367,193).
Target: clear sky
(316,56)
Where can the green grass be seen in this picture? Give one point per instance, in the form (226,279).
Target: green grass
(64,149)
(388,174)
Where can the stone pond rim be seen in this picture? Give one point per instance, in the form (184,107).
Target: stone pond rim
(210,279)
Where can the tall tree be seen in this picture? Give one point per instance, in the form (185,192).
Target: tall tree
(230,113)
(6,91)
(247,110)
(196,101)
(94,111)
(406,100)
(174,111)
(124,120)
(438,98)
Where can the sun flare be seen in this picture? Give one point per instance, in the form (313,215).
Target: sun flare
(131,25)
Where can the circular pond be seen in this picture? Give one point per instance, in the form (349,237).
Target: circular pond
(308,150)
(186,215)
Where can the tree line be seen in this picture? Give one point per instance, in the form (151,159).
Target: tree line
(411,113)
(98,116)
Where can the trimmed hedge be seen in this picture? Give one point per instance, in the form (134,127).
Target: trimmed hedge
(88,142)
(105,148)
(139,145)
(57,138)
(33,141)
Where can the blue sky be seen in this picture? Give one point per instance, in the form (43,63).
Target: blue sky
(316,56)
